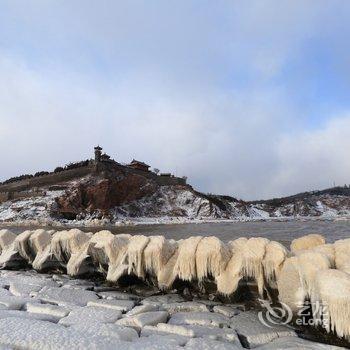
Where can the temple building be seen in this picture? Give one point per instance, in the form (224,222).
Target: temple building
(135,164)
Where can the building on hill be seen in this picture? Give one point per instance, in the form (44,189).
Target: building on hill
(135,164)
(98,153)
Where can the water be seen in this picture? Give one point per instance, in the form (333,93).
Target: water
(283,232)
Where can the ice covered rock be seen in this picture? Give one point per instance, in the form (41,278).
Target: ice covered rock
(21,289)
(155,342)
(165,338)
(26,315)
(200,319)
(109,330)
(23,333)
(163,299)
(13,302)
(142,308)
(228,311)
(189,331)
(117,295)
(293,343)
(145,319)
(253,333)
(188,306)
(48,309)
(90,314)
(120,305)
(66,296)
(209,344)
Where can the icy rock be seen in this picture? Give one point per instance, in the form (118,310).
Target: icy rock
(10,258)
(4,292)
(91,314)
(164,338)
(228,311)
(145,319)
(214,333)
(21,289)
(48,309)
(27,315)
(14,303)
(66,295)
(117,295)
(208,344)
(209,303)
(253,333)
(155,343)
(163,299)
(141,309)
(200,319)
(120,305)
(188,306)
(34,334)
(149,331)
(107,330)
(78,284)
(293,343)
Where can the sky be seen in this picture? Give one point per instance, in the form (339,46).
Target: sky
(246,98)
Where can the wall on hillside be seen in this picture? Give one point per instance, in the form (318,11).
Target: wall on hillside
(46,180)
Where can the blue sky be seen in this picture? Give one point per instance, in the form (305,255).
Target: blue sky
(246,98)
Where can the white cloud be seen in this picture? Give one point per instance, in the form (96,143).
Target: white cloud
(197,90)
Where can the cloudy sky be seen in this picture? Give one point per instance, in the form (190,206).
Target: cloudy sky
(247,98)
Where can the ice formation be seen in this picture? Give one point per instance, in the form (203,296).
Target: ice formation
(313,270)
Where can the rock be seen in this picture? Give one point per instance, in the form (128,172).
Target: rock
(26,315)
(214,333)
(173,339)
(253,333)
(48,309)
(121,305)
(163,299)
(165,328)
(228,311)
(109,330)
(208,344)
(141,309)
(33,334)
(21,289)
(200,319)
(91,314)
(117,295)
(149,331)
(14,303)
(188,306)
(188,331)
(66,295)
(4,292)
(145,319)
(11,259)
(293,343)
(155,342)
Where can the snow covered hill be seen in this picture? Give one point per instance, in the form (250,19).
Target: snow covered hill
(124,198)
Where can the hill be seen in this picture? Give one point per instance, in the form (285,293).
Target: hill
(103,191)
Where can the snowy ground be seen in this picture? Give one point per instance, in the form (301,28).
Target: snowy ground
(36,211)
(39,311)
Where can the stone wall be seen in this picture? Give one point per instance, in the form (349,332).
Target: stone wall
(46,180)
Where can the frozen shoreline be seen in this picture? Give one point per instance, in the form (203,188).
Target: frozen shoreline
(58,312)
(160,221)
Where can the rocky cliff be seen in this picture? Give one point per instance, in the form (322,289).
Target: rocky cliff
(119,195)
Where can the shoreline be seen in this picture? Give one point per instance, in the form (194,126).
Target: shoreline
(162,221)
